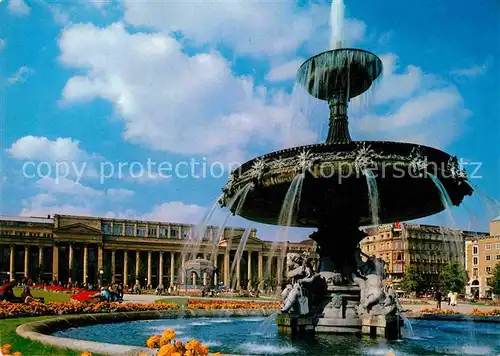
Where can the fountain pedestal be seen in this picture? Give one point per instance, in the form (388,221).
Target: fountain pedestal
(386,326)
(339,314)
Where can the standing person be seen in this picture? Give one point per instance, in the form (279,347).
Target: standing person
(454,297)
(438,299)
(450,294)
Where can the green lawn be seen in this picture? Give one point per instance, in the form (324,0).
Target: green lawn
(49,296)
(26,347)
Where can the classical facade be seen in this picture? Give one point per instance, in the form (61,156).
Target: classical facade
(87,249)
(427,247)
(482,254)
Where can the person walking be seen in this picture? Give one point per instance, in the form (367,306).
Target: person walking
(454,297)
(438,296)
(450,294)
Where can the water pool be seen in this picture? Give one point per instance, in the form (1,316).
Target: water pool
(258,336)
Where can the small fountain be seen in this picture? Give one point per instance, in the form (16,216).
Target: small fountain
(339,193)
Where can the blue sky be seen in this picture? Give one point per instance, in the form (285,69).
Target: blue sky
(93,84)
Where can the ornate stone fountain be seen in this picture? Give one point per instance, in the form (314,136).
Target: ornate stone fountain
(346,293)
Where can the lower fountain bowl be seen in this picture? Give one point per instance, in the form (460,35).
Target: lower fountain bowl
(334,184)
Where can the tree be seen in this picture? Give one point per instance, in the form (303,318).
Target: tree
(453,277)
(413,281)
(495,281)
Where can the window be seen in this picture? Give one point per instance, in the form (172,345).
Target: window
(106,228)
(474,262)
(488,269)
(163,232)
(186,234)
(141,231)
(117,229)
(398,245)
(475,272)
(474,250)
(129,230)
(487,246)
(152,232)
(498,257)
(398,268)
(173,233)
(487,257)
(498,246)
(388,245)
(399,257)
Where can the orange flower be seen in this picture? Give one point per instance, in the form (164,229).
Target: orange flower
(178,344)
(6,349)
(153,341)
(17,353)
(166,350)
(217,354)
(86,353)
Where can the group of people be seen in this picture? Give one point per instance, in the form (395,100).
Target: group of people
(112,293)
(7,294)
(451,297)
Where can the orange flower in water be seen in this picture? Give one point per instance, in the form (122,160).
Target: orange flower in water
(390,354)
(6,349)
(86,353)
(17,353)
(178,344)
(153,341)
(203,350)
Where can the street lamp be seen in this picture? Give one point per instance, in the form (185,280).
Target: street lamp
(101,274)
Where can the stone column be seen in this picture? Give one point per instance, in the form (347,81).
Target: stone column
(99,258)
(149,268)
(85,263)
(226,268)
(183,261)
(180,232)
(169,235)
(70,261)
(172,267)
(238,273)
(137,261)
(113,266)
(40,256)
(259,267)
(279,262)
(204,273)
(11,263)
(249,266)
(194,279)
(216,264)
(26,260)
(55,262)
(160,272)
(125,267)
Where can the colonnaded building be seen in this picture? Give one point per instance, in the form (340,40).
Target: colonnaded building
(85,249)
(429,248)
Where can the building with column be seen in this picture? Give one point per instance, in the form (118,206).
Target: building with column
(86,249)
(426,247)
(482,254)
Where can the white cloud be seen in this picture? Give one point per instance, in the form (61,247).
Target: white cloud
(169,100)
(2,44)
(44,149)
(284,71)
(22,74)
(18,7)
(65,196)
(472,72)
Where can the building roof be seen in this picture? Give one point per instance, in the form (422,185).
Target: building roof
(39,220)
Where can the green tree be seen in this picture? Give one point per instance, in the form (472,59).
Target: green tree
(453,277)
(495,281)
(413,281)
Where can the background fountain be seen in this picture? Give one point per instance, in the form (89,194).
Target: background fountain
(336,187)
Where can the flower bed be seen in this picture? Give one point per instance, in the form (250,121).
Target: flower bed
(13,310)
(475,312)
(229,304)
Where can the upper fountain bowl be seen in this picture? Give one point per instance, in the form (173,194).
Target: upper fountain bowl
(347,70)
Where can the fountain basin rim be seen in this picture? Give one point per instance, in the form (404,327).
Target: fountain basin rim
(40,331)
(338,50)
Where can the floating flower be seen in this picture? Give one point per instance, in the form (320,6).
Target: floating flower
(6,349)
(86,353)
